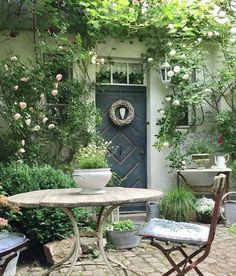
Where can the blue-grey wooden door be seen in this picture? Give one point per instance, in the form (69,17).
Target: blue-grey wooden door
(128,148)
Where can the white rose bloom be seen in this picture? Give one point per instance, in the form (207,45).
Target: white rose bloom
(28,122)
(14,58)
(207,90)
(233,30)
(23,142)
(165,144)
(16,87)
(222,14)
(19,161)
(172,52)
(24,79)
(170,74)
(102,60)
(162,112)
(168,99)
(183,162)
(150,59)
(171,26)
(222,20)
(36,128)
(94,59)
(216,33)
(17,116)
(51,126)
(60,47)
(21,150)
(177,69)
(45,119)
(176,102)
(22,105)
(185,77)
(31,109)
(54,92)
(6,67)
(210,34)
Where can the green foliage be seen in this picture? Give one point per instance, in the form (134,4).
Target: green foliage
(122,225)
(225,123)
(178,204)
(232,229)
(200,147)
(41,224)
(44,110)
(93,156)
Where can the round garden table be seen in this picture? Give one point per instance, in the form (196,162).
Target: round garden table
(67,199)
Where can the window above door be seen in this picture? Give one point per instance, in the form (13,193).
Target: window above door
(119,72)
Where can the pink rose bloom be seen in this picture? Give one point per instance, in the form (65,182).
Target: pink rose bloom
(22,105)
(17,116)
(3,222)
(54,92)
(58,77)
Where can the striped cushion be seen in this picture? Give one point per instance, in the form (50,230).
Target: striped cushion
(179,232)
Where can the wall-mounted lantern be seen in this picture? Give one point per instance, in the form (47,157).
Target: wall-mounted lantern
(164,69)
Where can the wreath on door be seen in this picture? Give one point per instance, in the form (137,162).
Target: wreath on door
(118,105)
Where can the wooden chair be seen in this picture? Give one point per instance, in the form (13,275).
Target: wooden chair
(170,236)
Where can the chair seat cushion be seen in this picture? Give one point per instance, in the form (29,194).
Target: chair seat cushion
(177,232)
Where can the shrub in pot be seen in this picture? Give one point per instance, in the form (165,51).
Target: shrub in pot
(41,224)
(201,153)
(122,234)
(204,209)
(92,172)
(178,204)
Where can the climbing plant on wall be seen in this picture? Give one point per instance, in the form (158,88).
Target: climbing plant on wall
(181,32)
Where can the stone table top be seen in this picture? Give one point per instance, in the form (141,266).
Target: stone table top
(70,198)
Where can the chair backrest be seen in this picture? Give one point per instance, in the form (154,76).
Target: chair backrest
(218,187)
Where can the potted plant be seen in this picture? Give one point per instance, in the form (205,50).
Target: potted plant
(122,234)
(204,209)
(92,172)
(178,204)
(201,153)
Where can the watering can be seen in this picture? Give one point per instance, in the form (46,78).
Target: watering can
(221,160)
(228,213)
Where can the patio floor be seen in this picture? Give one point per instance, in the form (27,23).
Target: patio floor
(146,260)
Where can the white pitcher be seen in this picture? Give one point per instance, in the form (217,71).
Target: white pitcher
(221,161)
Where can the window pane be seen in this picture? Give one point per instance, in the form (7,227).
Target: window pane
(103,74)
(120,73)
(135,73)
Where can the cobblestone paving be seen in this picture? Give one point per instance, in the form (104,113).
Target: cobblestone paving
(146,260)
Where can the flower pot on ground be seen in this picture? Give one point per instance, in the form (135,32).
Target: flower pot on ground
(93,173)
(204,209)
(122,234)
(178,205)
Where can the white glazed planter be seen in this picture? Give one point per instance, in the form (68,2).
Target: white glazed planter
(92,181)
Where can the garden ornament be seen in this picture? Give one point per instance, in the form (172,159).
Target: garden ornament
(221,161)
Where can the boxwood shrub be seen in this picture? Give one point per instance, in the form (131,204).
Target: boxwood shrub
(41,224)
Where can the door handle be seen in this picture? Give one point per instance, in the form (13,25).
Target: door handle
(141,150)
(120,149)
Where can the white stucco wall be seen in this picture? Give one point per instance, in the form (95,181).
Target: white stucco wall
(157,169)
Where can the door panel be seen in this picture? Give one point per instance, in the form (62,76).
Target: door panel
(128,148)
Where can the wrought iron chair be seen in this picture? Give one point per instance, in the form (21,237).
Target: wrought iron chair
(170,236)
